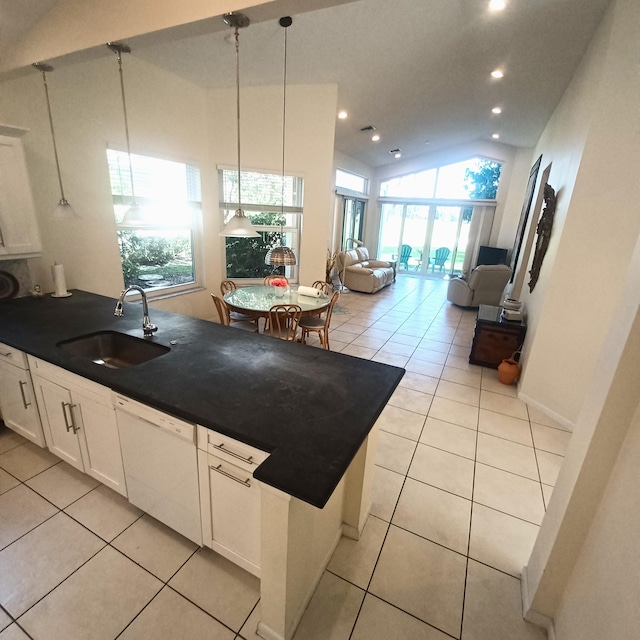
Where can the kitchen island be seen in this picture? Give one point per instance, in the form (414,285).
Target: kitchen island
(312,411)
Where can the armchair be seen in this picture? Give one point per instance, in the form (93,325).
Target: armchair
(484,286)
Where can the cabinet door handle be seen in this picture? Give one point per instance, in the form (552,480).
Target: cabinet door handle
(64,413)
(26,404)
(244,483)
(69,422)
(73,420)
(221,447)
(1,237)
(6,355)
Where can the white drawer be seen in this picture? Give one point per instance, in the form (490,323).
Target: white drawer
(13,355)
(229,449)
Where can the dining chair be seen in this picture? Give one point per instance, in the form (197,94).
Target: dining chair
(225,316)
(227,285)
(284,320)
(325,287)
(235,316)
(319,325)
(267,281)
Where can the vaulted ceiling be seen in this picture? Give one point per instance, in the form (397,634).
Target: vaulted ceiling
(416,70)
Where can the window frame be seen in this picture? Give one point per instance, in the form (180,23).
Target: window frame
(195,228)
(227,209)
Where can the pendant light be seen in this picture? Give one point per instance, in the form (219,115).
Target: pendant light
(283,255)
(134,216)
(63,211)
(239,226)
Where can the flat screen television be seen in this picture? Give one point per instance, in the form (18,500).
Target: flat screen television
(491,255)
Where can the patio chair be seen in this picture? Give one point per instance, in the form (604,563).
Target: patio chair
(442,255)
(405,254)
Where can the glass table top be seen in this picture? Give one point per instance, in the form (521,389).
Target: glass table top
(261,298)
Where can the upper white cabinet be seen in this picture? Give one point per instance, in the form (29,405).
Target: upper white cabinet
(19,237)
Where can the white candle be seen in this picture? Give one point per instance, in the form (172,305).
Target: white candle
(59,284)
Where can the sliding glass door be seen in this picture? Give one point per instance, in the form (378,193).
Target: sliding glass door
(429,239)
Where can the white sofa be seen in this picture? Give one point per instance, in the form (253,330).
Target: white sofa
(484,285)
(359,273)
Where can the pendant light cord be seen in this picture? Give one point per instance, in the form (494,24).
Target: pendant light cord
(237,39)
(126,123)
(284,113)
(53,136)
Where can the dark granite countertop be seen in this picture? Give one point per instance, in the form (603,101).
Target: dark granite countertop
(309,408)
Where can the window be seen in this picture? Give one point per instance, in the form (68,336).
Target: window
(474,179)
(158,249)
(351,181)
(262,195)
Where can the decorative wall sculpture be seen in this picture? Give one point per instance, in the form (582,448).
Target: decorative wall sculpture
(543,232)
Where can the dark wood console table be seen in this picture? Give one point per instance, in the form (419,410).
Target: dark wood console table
(494,338)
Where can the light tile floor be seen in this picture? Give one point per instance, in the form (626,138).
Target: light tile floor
(463,473)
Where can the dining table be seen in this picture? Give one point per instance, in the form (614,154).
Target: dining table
(256,300)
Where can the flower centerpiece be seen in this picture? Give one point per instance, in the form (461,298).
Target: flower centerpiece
(279,286)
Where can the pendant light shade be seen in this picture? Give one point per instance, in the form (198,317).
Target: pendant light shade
(134,216)
(63,210)
(283,255)
(239,226)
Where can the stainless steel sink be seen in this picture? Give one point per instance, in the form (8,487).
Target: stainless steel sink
(113,349)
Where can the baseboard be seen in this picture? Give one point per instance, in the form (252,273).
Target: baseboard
(348,531)
(529,614)
(561,420)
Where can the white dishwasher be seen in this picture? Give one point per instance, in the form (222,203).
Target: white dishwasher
(160,465)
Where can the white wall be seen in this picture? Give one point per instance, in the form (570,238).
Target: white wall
(308,153)
(565,577)
(166,117)
(601,598)
(593,141)
(172,118)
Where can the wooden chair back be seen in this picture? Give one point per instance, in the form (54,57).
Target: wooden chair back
(268,279)
(222,309)
(284,320)
(319,325)
(227,285)
(323,286)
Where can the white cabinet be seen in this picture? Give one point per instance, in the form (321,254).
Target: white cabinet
(17,400)
(79,423)
(19,237)
(230,498)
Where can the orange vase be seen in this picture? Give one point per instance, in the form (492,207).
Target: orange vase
(508,371)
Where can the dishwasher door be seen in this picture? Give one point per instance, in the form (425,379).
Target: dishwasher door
(161,466)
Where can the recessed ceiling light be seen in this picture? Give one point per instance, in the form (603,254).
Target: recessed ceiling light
(375,137)
(497,5)
(496,110)
(495,136)
(497,74)
(397,155)
(342,115)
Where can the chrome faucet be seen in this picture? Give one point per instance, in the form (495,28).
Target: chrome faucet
(147,327)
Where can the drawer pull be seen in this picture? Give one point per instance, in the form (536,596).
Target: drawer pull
(244,483)
(6,355)
(221,447)
(26,404)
